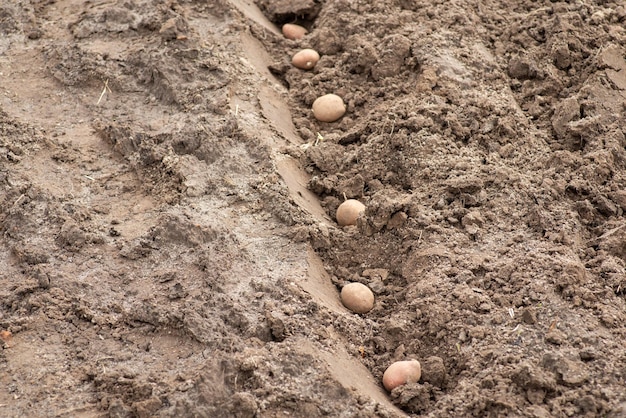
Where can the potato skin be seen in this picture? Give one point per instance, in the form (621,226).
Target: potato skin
(357,297)
(348,212)
(305,59)
(328,108)
(292,31)
(401,373)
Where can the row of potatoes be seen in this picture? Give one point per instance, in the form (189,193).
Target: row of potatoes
(355,296)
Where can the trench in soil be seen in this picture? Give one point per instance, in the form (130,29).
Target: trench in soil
(344,368)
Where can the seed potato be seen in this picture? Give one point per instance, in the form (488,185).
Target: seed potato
(292,31)
(401,373)
(349,211)
(328,108)
(305,59)
(357,297)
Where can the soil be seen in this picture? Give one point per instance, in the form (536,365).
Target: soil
(167,208)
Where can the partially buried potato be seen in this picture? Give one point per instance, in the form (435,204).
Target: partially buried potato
(328,108)
(305,59)
(349,211)
(357,297)
(401,373)
(292,31)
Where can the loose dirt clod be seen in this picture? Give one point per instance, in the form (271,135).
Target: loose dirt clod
(349,211)
(401,373)
(357,297)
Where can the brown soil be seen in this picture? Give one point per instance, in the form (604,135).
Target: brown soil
(167,208)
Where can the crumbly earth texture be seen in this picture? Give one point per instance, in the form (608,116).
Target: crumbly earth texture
(167,201)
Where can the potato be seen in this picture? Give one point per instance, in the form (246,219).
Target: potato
(328,108)
(357,297)
(401,373)
(291,31)
(305,59)
(349,211)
